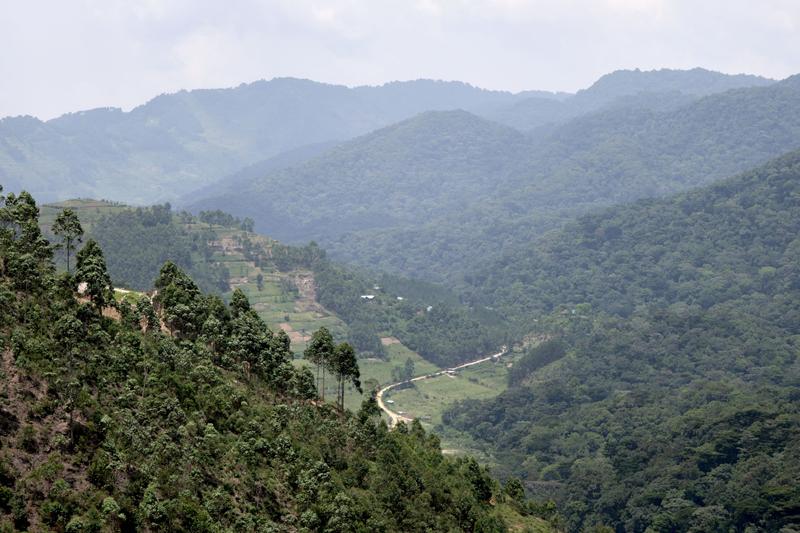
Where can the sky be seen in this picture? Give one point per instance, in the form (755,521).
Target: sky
(58,56)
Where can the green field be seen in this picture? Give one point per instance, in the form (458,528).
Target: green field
(428,399)
(88,211)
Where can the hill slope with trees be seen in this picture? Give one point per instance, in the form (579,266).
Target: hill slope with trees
(665,393)
(180,142)
(185,414)
(437,195)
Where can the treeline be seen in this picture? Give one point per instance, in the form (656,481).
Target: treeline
(221,218)
(672,403)
(443,333)
(186,414)
(138,241)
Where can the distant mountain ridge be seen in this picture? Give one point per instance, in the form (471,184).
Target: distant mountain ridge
(476,189)
(619,88)
(181,142)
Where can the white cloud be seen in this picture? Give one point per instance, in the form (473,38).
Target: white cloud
(60,56)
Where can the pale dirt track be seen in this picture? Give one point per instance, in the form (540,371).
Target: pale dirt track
(394,418)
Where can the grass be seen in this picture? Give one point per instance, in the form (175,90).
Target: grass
(517,522)
(88,211)
(132,297)
(429,398)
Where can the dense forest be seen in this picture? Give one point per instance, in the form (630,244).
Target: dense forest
(663,390)
(136,242)
(440,194)
(186,414)
(180,142)
(429,321)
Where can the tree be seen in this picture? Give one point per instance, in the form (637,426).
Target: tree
(91,270)
(181,302)
(239,303)
(68,227)
(345,366)
(320,351)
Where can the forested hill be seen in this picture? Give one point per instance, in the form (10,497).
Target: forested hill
(186,414)
(658,87)
(665,393)
(701,248)
(417,170)
(221,252)
(439,194)
(177,143)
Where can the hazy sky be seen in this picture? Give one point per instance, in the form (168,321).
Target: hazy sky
(65,55)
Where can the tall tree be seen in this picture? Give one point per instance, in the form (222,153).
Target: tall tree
(91,270)
(68,227)
(320,351)
(345,366)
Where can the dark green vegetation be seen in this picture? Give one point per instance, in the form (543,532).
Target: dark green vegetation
(137,241)
(667,395)
(185,414)
(416,170)
(439,194)
(438,330)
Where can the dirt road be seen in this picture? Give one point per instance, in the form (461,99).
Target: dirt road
(394,417)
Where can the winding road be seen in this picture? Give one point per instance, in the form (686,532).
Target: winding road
(394,417)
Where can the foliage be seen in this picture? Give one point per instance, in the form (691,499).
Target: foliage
(667,396)
(441,194)
(138,241)
(68,227)
(443,333)
(210,429)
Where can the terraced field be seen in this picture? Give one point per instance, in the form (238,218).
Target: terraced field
(287,301)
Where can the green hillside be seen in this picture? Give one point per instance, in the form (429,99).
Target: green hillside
(197,420)
(652,89)
(437,195)
(615,156)
(177,143)
(665,396)
(403,174)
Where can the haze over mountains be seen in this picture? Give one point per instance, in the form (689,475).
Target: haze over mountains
(461,207)
(617,242)
(179,142)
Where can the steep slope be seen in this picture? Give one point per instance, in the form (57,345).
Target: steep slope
(412,171)
(185,414)
(667,394)
(180,142)
(614,156)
